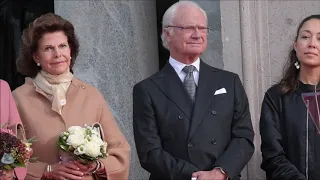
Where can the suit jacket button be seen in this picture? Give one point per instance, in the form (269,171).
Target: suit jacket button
(214,112)
(213,141)
(190,145)
(180,117)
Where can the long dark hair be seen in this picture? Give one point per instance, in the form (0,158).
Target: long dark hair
(289,81)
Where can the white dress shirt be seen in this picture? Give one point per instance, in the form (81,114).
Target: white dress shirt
(178,66)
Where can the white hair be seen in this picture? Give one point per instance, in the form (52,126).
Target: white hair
(169,15)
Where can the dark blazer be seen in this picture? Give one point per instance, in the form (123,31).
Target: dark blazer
(175,139)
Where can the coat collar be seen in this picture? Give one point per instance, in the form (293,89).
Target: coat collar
(170,84)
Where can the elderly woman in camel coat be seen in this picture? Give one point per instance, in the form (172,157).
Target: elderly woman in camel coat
(52,100)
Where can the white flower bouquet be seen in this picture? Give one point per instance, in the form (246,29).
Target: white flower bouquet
(83,143)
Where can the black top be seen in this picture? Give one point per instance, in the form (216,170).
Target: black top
(284,136)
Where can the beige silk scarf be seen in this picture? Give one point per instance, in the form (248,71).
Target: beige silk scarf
(55,87)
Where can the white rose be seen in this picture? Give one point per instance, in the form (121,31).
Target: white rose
(75,140)
(97,140)
(92,149)
(75,130)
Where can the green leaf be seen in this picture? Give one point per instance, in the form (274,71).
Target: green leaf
(7,167)
(62,142)
(19,165)
(63,148)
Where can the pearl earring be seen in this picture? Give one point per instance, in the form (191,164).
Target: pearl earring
(38,64)
(297,65)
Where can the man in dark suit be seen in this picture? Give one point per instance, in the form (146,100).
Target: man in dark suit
(190,119)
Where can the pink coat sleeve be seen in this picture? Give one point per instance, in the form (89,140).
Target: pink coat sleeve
(9,114)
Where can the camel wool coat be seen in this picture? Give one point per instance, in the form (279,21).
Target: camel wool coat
(85,105)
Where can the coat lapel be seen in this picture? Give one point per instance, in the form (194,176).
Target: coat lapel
(209,81)
(170,84)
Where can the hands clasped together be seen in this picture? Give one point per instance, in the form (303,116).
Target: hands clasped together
(71,170)
(214,174)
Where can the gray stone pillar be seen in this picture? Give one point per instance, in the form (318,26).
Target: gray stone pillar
(118,48)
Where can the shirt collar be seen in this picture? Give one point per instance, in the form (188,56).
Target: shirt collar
(178,66)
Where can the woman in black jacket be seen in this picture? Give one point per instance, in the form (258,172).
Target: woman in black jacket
(290,137)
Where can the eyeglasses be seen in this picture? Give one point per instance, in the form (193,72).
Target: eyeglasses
(191,29)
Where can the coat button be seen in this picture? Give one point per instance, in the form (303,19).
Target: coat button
(82,86)
(214,112)
(190,145)
(213,141)
(180,117)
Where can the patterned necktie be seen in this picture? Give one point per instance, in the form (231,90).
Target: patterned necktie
(189,82)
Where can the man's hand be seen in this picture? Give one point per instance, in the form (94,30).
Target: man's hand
(214,174)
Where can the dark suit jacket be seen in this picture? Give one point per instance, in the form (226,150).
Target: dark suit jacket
(173,139)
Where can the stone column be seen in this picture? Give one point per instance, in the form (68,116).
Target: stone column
(118,42)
